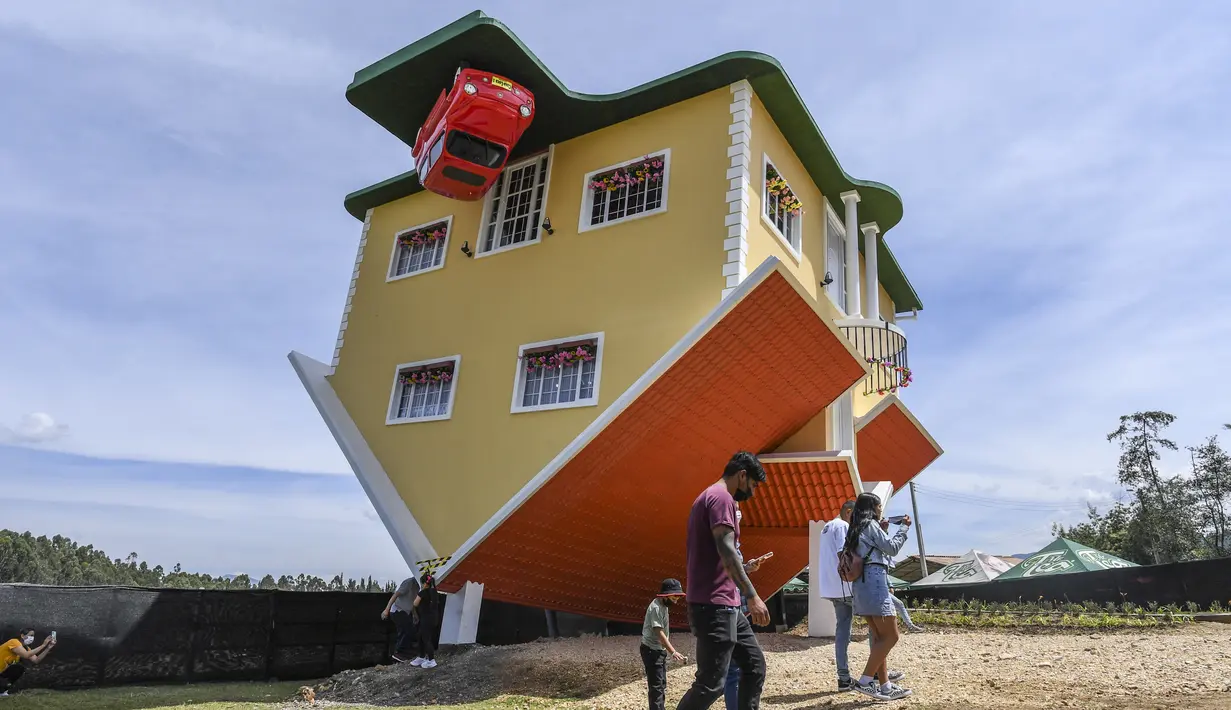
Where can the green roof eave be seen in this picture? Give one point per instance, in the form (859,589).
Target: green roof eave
(398,91)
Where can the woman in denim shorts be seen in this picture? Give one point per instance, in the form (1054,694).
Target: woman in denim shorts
(870,593)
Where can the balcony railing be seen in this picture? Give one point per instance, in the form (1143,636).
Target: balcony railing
(884,348)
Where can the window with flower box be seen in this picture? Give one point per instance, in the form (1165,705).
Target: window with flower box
(617,193)
(513,208)
(781,209)
(420,248)
(557,374)
(423,391)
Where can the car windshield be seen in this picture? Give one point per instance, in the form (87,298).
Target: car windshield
(475,150)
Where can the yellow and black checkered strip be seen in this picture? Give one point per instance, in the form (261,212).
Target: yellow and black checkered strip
(433,564)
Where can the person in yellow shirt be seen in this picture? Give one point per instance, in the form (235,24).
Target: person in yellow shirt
(13,652)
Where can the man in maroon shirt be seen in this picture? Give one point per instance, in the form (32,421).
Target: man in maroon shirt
(716,577)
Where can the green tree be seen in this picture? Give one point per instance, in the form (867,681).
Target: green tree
(1212,491)
(1140,436)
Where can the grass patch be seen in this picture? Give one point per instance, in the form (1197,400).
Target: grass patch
(204,696)
(213,696)
(1056,615)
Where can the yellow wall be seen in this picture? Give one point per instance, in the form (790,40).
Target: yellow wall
(813,436)
(643,283)
(809,268)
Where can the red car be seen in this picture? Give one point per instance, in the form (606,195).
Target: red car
(466,139)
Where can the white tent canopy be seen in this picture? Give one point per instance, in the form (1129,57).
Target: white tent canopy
(971,568)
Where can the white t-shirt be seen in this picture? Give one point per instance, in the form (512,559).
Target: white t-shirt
(833,539)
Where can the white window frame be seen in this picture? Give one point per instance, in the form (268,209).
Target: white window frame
(587,194)
(395,393)
(838,270)
(397,247)
(502,182)
(795,251)
(520,377)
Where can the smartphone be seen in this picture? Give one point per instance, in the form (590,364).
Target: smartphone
(53,636)
(897,520)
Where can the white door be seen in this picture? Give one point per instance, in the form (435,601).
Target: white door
(835,264)
(844,423)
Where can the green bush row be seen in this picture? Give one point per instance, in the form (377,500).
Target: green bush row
(1042,606)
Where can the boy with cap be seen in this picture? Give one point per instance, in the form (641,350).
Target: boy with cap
(656,641)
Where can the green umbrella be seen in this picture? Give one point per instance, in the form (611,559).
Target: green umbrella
(796,586)
(895,583)
(1064,557)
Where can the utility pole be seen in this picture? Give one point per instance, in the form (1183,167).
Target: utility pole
(923,557)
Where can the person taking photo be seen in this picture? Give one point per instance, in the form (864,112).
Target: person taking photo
(14,651)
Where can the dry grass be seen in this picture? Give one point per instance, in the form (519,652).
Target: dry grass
(1187,666)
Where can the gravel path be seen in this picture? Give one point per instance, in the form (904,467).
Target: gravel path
(1186,667)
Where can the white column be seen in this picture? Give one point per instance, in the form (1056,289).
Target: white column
(822,622)
(461,623)
(851,199)
(873,310)
(881,489)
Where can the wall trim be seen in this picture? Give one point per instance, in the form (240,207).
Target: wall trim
(407,535)
(739,183)
(350,293)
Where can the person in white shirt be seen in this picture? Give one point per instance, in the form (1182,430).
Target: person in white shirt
(838,593)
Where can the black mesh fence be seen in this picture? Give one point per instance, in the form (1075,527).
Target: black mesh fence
(117,635)
(120,635)
(1202,582)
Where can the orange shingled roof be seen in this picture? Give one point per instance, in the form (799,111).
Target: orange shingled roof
(893,446)
(599,534)
(806,487)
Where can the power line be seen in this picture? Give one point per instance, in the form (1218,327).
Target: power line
(1002,503)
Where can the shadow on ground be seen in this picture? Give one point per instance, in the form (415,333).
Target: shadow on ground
(479,674)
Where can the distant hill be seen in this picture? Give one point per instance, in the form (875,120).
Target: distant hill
(58,560)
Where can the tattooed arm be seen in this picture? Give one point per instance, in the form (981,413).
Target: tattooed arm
(724,538)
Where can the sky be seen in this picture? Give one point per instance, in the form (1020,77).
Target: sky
(171,225)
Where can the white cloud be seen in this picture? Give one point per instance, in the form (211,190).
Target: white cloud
(175,206)
(36,428)
(153,31)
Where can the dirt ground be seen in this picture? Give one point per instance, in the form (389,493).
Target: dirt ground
(1185,667)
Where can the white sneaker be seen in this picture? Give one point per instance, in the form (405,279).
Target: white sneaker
(418,662)
(428,664)
(5,694)
(893,691)
(915,629)
(872,690)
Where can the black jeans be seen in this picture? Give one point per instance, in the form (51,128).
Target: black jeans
(655,676)
(10,676)
(407,633)
(427,632)
(723,635)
